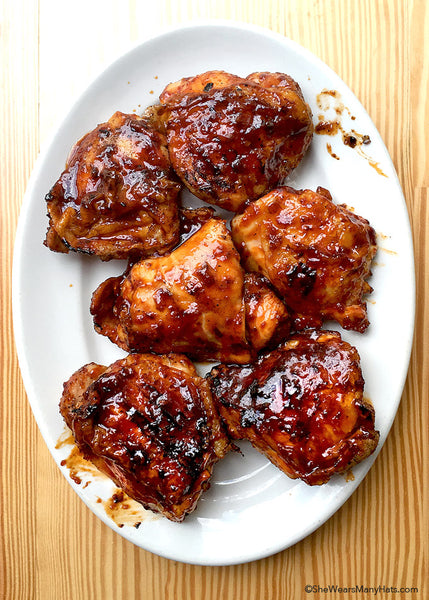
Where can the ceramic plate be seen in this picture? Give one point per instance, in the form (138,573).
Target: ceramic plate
(251,510)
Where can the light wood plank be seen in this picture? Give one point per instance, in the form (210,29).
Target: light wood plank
(18,149)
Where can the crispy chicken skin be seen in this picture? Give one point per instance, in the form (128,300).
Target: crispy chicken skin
(301,405)
(232,139)
(191,301)
(316,254)
(118,195)
(148,422)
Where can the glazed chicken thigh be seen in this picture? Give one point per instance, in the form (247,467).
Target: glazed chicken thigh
(232,139)
(191,301)
(316,254)
(267,318)
(118,195)
(301,405)
(148,423)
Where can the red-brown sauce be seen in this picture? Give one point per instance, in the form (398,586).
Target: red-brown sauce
(349,476)
(327,127)
(372,163)
(331,152)
(122,509)
(331,100)
(79,468)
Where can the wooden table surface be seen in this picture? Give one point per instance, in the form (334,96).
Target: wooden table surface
(52,546)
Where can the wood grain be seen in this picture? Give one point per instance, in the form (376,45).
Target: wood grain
(51,545)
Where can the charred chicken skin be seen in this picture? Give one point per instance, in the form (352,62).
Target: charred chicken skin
(148,422)
(301,405)
(316,254)
(232,139)
(118,195)
(191,301)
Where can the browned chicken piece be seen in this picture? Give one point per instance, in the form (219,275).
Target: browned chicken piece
(267,318)
(148,422)
(301,405)
(232,139)
(118,195)
(191,301)
(316,254)
(191,219)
